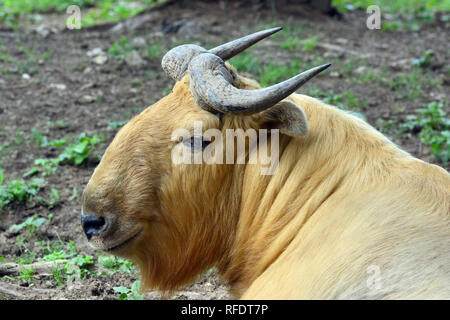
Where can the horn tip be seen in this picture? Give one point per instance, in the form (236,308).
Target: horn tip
(324,66)
(274,30)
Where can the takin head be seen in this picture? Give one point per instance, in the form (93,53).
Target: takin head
(176,220)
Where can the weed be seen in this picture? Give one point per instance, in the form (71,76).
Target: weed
(74,195)
(119,50)
(58,275)
(434,129)
(32,223)
(27,274)
(345,100)
(129,294)
(115,264)
(112,125)
(42,141)
(424,60)
(74,154)
(291,43)
(154,51)
(19,190)
(78,152)
(310,43)
(54,198)
(273,73)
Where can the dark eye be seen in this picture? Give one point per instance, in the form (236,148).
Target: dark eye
(195,143)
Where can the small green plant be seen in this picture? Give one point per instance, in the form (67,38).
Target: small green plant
(32,223)
(291,43)
(434,129)
(408,86)
(40,140)
(245,62)
(424,60)
(129,294)
(78,267)
(115,264)
(59,251)
(58,275)
(74,154)
(273,73)
(54,198)
(154,51)
(310,43)
(19,190)
(112,125)
(74,195)
(47,167)
(27,274)
(77,152)
(119,50)
(69,263)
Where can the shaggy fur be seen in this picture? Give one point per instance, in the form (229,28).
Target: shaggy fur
(344,200)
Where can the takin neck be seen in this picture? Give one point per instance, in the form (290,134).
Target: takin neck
(338,146)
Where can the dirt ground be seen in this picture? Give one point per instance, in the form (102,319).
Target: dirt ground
(67,93)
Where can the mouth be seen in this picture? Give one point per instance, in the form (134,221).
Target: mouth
(124,243)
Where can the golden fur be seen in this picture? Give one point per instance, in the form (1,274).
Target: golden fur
(344,199)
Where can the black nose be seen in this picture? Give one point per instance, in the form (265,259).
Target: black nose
(93,225)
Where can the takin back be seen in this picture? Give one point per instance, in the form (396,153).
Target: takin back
(346,215)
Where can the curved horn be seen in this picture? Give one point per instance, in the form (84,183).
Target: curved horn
(230,49)
(175,62)
(211,87)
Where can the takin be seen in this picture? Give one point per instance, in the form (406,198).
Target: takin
(346,215)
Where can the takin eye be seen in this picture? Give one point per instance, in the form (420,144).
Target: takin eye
(196,142)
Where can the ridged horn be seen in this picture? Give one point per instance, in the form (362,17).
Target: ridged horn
(212,88)
(176,61)
(230,49)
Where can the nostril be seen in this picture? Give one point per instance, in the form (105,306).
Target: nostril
(93,225)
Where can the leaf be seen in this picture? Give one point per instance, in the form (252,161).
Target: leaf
(135,287)
(123,290)
(37,223)
(31,172)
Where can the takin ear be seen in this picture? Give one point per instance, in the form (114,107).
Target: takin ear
(288,117)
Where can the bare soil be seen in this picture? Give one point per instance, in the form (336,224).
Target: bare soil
(120,91)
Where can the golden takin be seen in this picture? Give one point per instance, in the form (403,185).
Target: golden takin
(344,214)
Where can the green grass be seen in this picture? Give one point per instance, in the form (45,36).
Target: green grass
(26,191)
(434,129)
(118,50)
(19,191)
(42,141)
(411,85)
(29,64)
(32,224)
(115,264)
(115,10)
(270,73)
(93,11)
(73,265)
(408,14)
(396,6)
(74,154)
(345,100)
(155,51)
